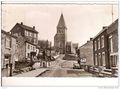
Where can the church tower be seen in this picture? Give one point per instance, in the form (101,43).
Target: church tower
(60,37)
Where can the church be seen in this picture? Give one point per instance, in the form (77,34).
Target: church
(60,37)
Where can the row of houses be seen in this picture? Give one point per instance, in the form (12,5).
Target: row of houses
(102,50)
(17,46)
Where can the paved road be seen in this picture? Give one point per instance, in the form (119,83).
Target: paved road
(63,68)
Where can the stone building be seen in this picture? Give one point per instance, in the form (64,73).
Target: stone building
(105,46)
(8,53)
(27,40)
(86,53)
(69,47)
(74,47)
(60,37)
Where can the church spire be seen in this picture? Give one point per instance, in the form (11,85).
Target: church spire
(61,22)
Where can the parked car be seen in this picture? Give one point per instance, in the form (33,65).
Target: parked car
(76,66)
(96,70)
(91,69)
(51,58)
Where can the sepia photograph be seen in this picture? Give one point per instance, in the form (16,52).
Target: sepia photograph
(59,40)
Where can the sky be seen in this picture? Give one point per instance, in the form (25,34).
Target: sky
(83,21)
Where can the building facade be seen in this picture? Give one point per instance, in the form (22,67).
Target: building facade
(74,47)
(112,35)
(68,47)
(86,53)
(8,53)
(27,40)
(30,47)
(103,45)
(60,37)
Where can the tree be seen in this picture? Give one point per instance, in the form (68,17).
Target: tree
(32,54)
(78,55)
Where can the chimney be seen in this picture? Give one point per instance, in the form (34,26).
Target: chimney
(91,39)
(104,27)
(9,32)
(21,23)
(87,41)
(34,27)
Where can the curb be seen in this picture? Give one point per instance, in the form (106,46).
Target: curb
(41,73)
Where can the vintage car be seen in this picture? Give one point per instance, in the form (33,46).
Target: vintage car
(76,66)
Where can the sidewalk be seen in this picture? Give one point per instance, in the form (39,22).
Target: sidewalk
(33,73)
(56,56)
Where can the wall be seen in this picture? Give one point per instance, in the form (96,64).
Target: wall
(13,51)
(86,51)
(7,51)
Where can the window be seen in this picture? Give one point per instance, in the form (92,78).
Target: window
(102,41)
(35,35)
(110,44)
(28,46)
(8,42)
(33,48)
(95,46)
(59,31)
(95,59)
(25,33)
(98,43)
(19,34)
(100,61)
(103,58)
(28,33)
(31,34)
(114,61)
(35,41)
(28,55)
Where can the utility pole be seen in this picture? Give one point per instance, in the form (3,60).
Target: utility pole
(50,54)
(112,13)
(46,58)
(50,50)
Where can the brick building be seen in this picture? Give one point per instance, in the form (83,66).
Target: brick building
(105,46)
(27,40)
(8,53)
(112,35)
(60,37)
(86,52)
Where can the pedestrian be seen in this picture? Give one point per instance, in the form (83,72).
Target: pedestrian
(78,61)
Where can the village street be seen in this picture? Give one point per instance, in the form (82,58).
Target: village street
(64,68)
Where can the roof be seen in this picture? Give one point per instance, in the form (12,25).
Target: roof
(100,32)
(27,27)
(30,43)
(75,44)
(105,28)
(7,33)
(61,22)
(88,42)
